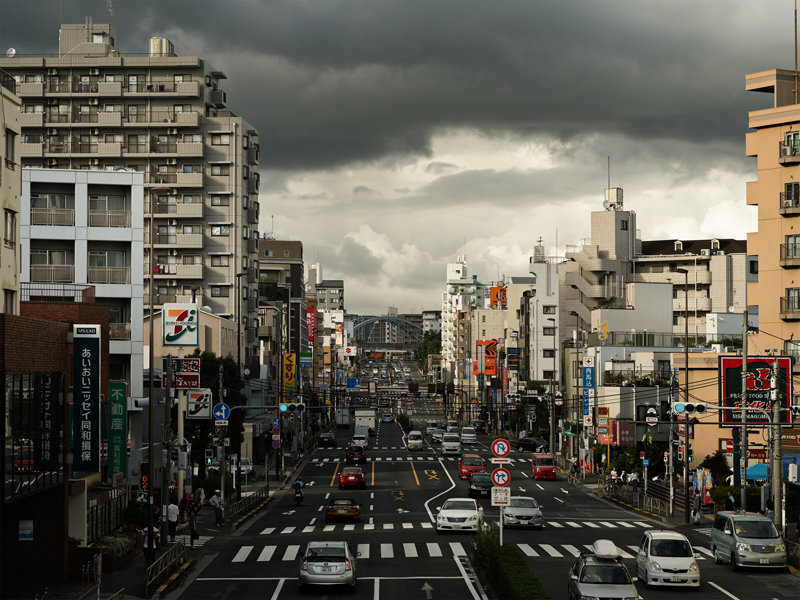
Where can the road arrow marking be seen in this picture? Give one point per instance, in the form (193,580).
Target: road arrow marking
(310,483)
(402,511)
(522,489)
(428,589)
(565,491)
(290,512)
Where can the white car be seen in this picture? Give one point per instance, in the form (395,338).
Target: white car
(459,514)
(415,440)
(469,436)
(666,558)
(359,440)
(451,443)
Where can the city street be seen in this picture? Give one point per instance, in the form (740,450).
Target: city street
(401,556)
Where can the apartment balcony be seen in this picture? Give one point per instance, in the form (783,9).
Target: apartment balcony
(109,88)
(159,299)
(188,88)
(790,256)
(52,273)
(252,305)
(788,154)
(109,149)
(252,275)
(161,179)
(252,245)
(251,335)
(31,119)
(191,210)
(189,179)
(190,149)
(252,216)
(163,148)
(30,89)
(187,118)
(190,240)
(695,304)
(112,275)
(178,271)
(56,217)
(695,277)
(252,185)
(789,204)
(28,149)
(84,117)
(109,119)
(109,218)
(790,308)
(265,331)
(119,331)
(187,298)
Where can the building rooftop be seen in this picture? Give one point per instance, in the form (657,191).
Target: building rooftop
(667,247)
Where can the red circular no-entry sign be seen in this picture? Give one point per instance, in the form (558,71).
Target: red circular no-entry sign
(729,446)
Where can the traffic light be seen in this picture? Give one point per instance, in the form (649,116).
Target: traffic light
(144,476)
(292,407)
(696,408)
(680,452)
(209,456)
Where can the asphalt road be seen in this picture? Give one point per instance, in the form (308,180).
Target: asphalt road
(402,557)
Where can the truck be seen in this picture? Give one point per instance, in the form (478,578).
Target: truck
(366,418)
(342,417)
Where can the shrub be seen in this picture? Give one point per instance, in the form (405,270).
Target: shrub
(505,567)
(404,422)
(117,543)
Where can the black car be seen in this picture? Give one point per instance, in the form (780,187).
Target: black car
(480,484)
(479,425)
(326,439)
(531,444)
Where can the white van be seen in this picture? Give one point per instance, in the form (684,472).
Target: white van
(468,435)
(430,426)
(451,443)
(415,440)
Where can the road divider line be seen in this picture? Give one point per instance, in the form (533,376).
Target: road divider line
(335,471)
(724,591)
(372,483)
(277,593)
(413,470)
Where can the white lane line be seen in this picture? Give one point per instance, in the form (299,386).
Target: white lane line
(320,508)
(555,524)
(625,524)
(571,549)
(268,530)
(524,474)
(371,507)
(410,550)
(592,525)
(550,550)
(288,529)
(607,524)
(329,528)
(266,553)
(477,594)
(312,521)
(371,520)
(277,593)
(434,550)
(726,592)
(705,551)
(291,552)
(458,549)
(527,550)
(308,529)
(572,524)
(642,524)
(565,491)
(559,499)
(363,549)
(372,494)
(540,487)
(327,495)
(242,554)
(387,551)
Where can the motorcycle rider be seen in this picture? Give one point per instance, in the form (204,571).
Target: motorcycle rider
(298,487)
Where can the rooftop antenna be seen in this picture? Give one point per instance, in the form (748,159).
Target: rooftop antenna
(608,168)
(795,51)
(110,9)
(271,234)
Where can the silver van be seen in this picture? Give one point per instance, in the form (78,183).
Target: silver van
(747,540)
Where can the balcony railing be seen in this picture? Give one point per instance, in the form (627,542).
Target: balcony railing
(109,218)
(53,216)
(789,203)
(790,255)
(790,308)
(788,153)
(119,331)
(53,273)
(112,275)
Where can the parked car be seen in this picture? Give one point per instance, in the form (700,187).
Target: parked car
(352,477)
(326,439)
(543,466)
(469,464)
(480,484)
(747,540)
(342,508)
(523,511)
(531,444)
(327,563)
(600,573)
(459,514)
(666,558)
(355,454)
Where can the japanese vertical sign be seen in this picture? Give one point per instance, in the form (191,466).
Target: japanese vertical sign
(86,398)
(489,356)
(311,322)
(117,427)
(759,373)
(46,395)
(588,389)
(289,362)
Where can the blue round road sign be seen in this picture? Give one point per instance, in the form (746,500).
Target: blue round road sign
(221,411)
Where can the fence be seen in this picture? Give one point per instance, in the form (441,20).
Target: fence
(634,496)
(163,567)
(248,503)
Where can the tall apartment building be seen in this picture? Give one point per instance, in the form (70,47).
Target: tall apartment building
(773,285)
(328,292)
(539,320)
(431,320)
(10,192)
(92,107)
(94,240)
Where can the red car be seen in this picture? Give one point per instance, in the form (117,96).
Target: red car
(352,477)
(356,454)
(543,466)
(469,464)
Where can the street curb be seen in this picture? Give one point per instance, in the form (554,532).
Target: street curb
(286,479)
(172,580)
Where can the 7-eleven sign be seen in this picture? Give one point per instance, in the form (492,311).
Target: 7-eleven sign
(198,404)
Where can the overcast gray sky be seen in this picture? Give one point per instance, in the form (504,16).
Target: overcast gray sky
(398,134)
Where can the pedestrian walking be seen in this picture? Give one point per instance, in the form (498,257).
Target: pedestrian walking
(198,498)
(184,506)
(696,514)
(150,544)
(172,520)
(216,502)
(193,533)
(172,492)
(730,502)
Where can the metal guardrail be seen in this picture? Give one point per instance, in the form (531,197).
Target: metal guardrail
(163,567)
(247,503)
(634,497)
(120,595)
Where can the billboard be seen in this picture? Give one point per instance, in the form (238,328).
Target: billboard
(179,325)
(289,362)
(117,427)
(497,296)
(311,322)
(759,405)
(86,398)
(489,356)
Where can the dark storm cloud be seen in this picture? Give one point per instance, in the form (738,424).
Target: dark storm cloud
(334,83)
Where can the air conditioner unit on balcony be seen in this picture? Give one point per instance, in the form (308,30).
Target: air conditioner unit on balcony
(94,101)
(52,162)
(52,131)
(173,282)
(787,151)
(94,161)
(172,131)
(173,252)
(52,71)
(705,251)
(52,101)
(95,132)
(94,71)
(172,161)
(173,222)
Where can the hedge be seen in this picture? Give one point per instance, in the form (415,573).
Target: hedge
(505,568)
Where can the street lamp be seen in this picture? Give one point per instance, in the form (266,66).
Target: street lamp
(686,393)
(239,373)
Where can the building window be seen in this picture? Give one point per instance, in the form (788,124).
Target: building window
(483,318)
(623,225)
(220,200)
(192,168)
(753,266)
(267,253)
(244,233)
(793,299)
(678,246)
(548,331)
(219,291)
(549,309)
(220,169)
(9,301)
(715,244)
(220,261)
(220,230)
(220,139)
(192,199)
(675,320)
(286,254)
(548,375)
(548,353)
(245,172)
(245,142)
(9,228)
(10,137)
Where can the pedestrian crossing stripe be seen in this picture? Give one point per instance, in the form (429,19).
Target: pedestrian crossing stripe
(331,527)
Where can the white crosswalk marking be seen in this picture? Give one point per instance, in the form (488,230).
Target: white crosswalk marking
(550,550)
(427,525)
(391,525)
(527,550)
(607,524)
(593,525)
(329,528)
(242,554)
(369,526)
(634,548)
(363,549)
(308,529)
(625,524)
(351,527)
(291,552)
(458,549)
(571,549)
(387,551)
(572,524)
(408,525)
(705,551)
(555,524)
(268,530)
(266,553)
(433,549)
(642,524)
(288,529)
(624,554)
(410,550)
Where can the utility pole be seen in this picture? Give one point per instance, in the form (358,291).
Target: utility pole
(223,460)
(686,424)
(777,489)
(743,459)
(671,468)
(166,440)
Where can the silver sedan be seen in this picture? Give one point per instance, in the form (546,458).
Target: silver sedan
(523,511)
(328,563)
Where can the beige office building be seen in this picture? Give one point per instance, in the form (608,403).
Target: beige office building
(10,193)
(92,107)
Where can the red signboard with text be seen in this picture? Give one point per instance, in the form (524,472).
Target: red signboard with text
(759,388)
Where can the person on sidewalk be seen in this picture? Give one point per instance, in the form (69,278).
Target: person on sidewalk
(172,492)
(730,502)
(696,514)
(172,520)
(150,544)
(216,502)
(193,532)
(199,494)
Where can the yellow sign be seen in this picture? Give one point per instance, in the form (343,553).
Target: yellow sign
(289,362)
(603,331)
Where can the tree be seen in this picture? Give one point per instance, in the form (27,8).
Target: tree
(718,465)
(431,344)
